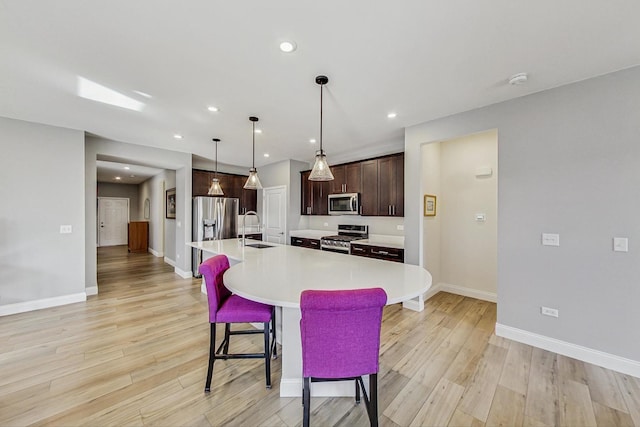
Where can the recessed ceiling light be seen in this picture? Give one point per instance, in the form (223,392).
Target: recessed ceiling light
(177,136)
(392,115)
(127,168)
(146,95)
(266,154)
(258,130)
(118,178)
(132,176)
(213,109)
(287,46)
(312,140)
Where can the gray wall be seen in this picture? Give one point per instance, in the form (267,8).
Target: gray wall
(287,173)
(146,156)
(41,188)
(125,191)
(569,163)
(162,231)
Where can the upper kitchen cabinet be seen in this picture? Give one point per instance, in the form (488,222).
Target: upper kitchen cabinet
(232,186)
(391,185)
(347,178)
(314,195)
(369,196)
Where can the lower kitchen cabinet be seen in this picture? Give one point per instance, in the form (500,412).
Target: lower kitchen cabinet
(378,252)
(305,243)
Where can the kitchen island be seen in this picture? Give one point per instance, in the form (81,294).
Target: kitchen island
(277,275)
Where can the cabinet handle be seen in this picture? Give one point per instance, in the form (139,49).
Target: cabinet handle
(314,243)
(357,249)
(308,210)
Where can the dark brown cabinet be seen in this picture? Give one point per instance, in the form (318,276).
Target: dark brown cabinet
(305,243)
(379,181)
(314,195)
(138,236)
(347,178)
(391,185)
(378,252)
(231,184)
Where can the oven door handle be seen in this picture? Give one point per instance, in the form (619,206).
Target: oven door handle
(354,203)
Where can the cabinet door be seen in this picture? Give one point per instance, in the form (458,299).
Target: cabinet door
(398,207)
(200,183)
(391,186)
(369,199)
(353,178)
(337,185)
(320,197)
(306,206)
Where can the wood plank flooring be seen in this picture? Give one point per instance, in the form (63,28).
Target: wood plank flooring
(136,354)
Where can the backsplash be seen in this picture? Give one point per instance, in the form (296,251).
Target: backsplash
(377,225)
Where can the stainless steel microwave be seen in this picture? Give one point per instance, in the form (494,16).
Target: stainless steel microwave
(344,204)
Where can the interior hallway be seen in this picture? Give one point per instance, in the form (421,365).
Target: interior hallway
(136,354)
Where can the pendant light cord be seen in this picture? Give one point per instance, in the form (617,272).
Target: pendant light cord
(321,87)
(253,161)
(215,174)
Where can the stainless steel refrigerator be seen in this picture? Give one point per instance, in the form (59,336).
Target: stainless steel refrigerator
(214,218)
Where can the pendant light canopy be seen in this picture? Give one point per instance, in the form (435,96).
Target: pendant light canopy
(215,189)
(321,171)
(253,182)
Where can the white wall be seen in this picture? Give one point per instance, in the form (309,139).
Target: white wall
(569,161)
(432,228)
(469,249)
(162,231)
(41,188)
(125,191)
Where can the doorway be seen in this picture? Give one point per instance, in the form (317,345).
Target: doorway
(274,214)
(113,217)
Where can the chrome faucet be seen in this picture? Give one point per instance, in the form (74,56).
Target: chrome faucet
(244,231)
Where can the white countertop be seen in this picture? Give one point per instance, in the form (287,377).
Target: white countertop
(396,242)
(312,234)
(279,274)
(373,240)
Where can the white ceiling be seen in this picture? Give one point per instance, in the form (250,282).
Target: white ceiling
(126,172)
(421,59)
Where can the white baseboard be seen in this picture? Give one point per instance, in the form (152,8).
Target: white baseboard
(596,357)
(156,253)
(182,273)
(461,290)
(92,290)
(169,261)
(22,307)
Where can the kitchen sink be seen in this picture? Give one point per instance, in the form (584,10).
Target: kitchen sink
(259,245)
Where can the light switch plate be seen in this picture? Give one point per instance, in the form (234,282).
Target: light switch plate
(480,217)
(620,244)
(550,239)
(65,229)
(400,227)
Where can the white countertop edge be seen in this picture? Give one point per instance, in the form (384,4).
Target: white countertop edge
(312,234)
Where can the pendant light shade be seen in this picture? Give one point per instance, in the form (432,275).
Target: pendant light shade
(321,170)
(253,182)
(215,189)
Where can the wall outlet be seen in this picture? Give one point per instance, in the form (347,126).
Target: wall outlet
(326,224)
(549,311)
(177,256)
(400,227)
(65,229)
(549,239)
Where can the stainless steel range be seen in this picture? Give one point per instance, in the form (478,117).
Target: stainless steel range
(346,234)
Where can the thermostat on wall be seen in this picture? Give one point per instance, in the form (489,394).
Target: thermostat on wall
(484,171)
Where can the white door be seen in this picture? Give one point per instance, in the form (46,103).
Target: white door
(113,216)
(274,212)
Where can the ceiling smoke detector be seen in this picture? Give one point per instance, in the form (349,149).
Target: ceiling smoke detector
(518,79)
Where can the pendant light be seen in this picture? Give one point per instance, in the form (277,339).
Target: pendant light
(253,182)
(215,189)
(321,171)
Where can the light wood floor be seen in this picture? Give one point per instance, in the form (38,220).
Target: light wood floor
(136,354)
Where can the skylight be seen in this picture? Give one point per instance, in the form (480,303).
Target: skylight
(92,90)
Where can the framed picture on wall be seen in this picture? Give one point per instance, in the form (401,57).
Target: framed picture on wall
(429,205)
(171,204)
